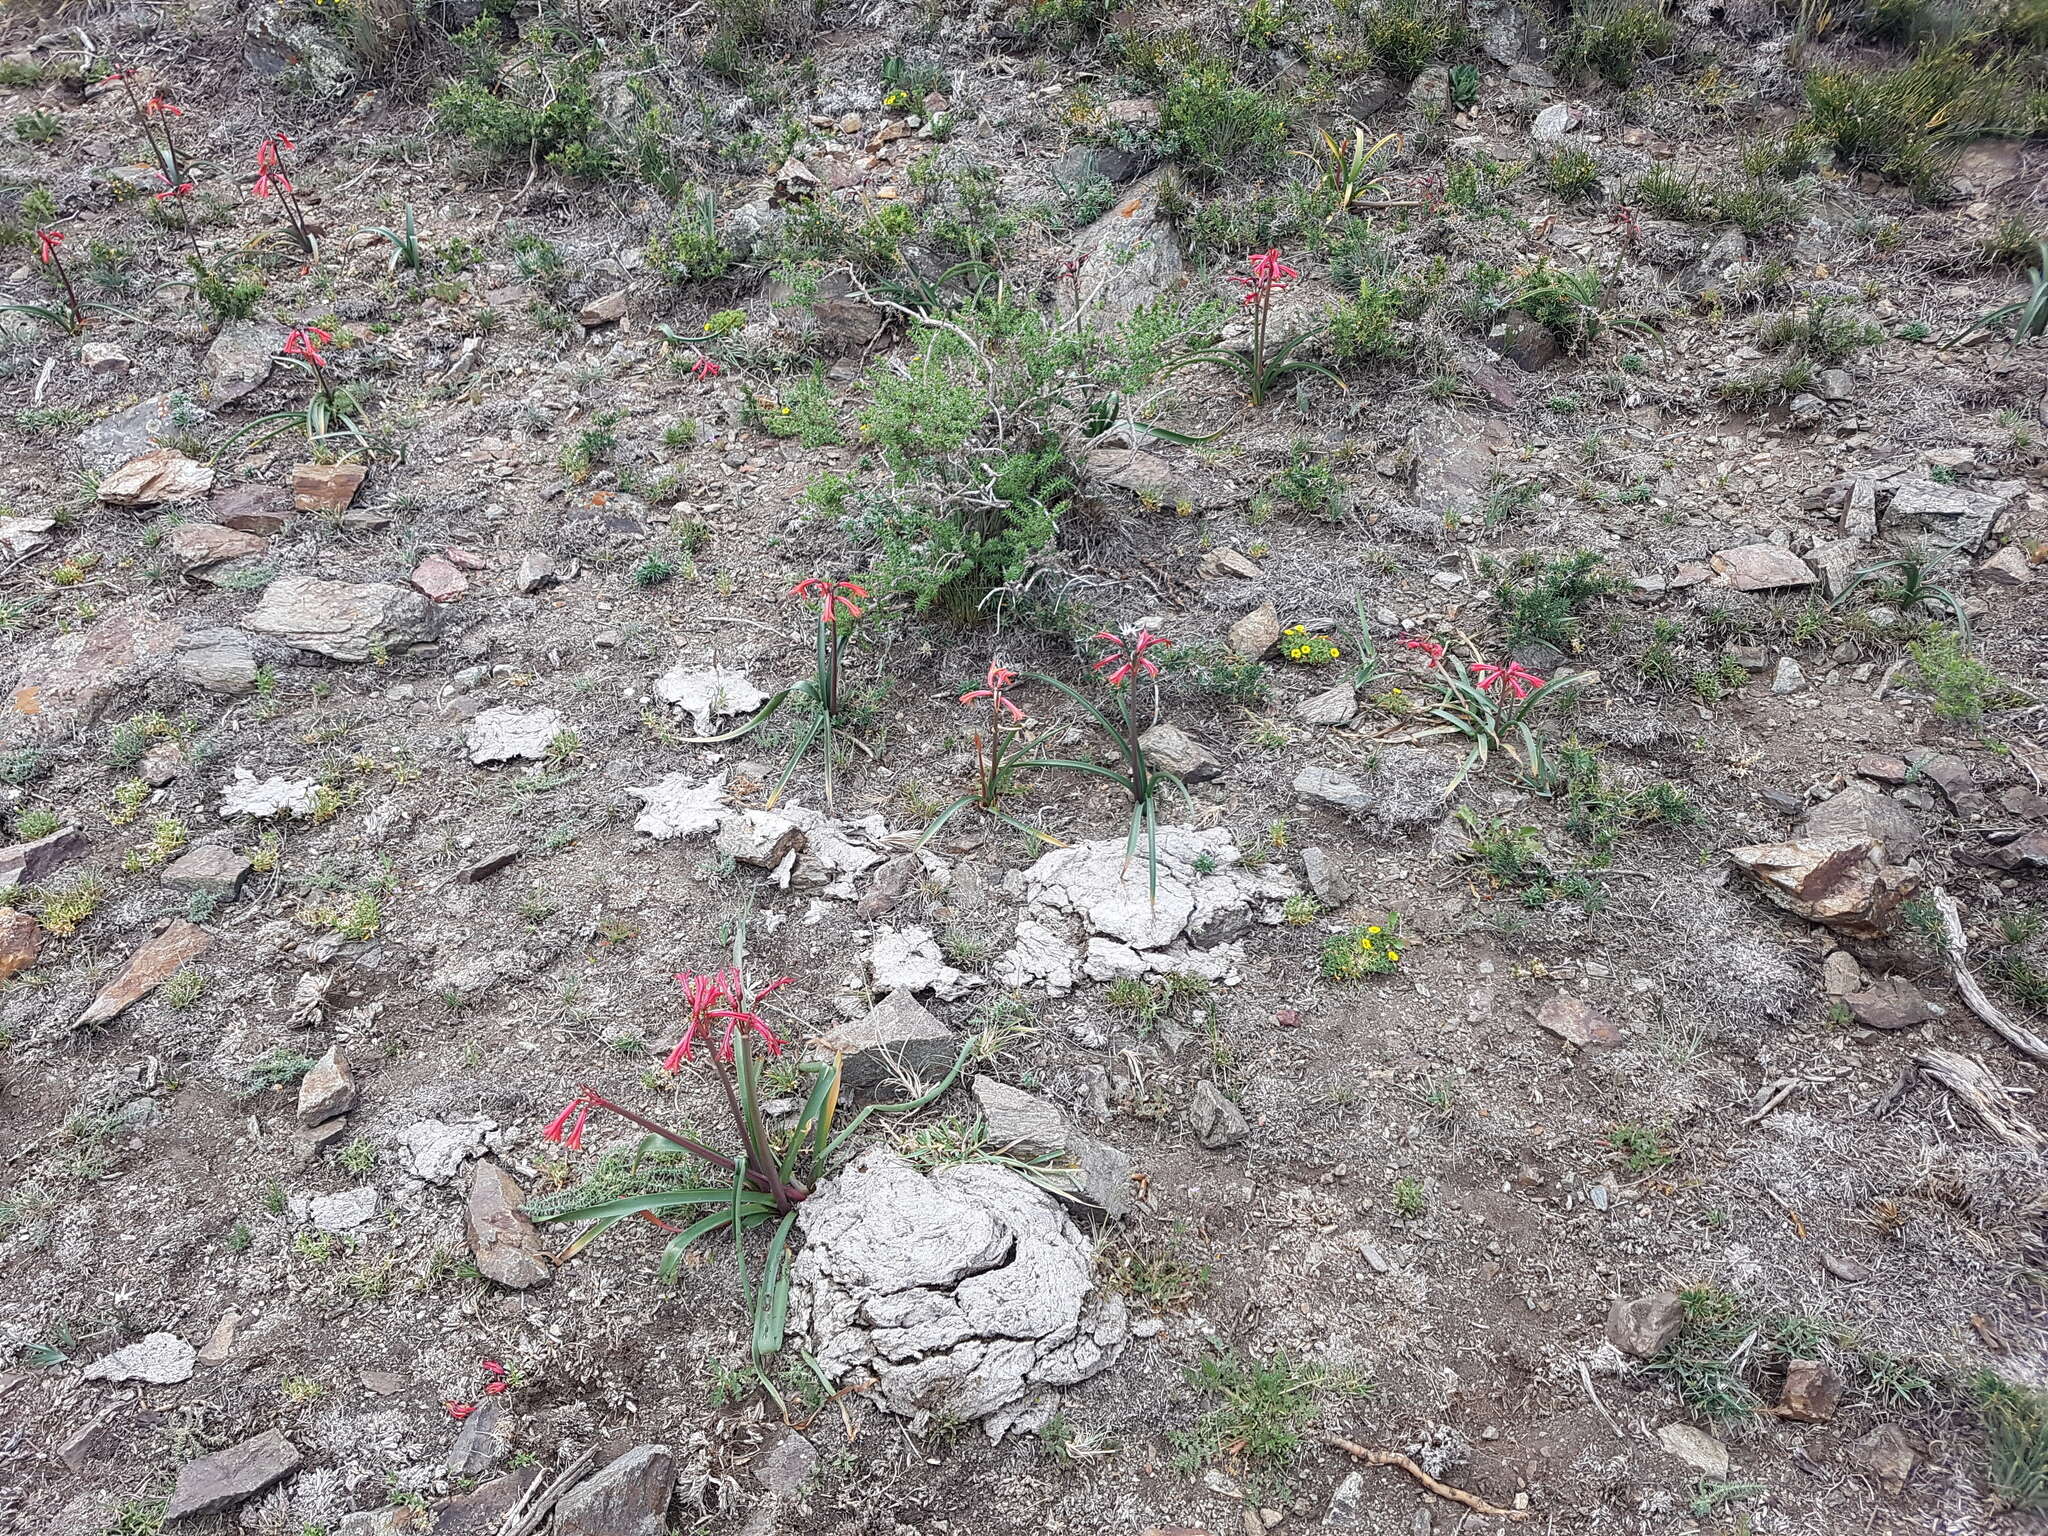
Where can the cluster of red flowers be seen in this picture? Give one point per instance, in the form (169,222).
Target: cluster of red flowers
(496,1379)
(722,995)
(704,368)
(270,176)
(305,341)
(1270,276)
(832,595)
(1000,680)
(1491,676)
(1129,656)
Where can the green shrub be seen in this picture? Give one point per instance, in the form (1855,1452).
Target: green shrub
(552,117)
(2016,1441)
(1365,329)
(1614,38)
(1909,123)
(1963,687)
(689,247)
(1216,127)
(951,552)
(1407,36)
(1572,174)
(1545,607)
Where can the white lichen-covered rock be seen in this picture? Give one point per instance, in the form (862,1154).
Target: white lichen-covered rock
(503,735)
(1041,957)
(1107,960)
(244,795)
(909,958)
(435,1150)
(680,807)
(1204,893)
(708,694)
(967,1294)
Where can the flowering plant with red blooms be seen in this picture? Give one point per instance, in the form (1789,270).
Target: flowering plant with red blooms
(1490,704)
(1130,658)
(760,1187)
(839,610)
(154,114)
(331,411)
(1264,365)
(1000,754)
(272,180)
(72,317)
(704,369)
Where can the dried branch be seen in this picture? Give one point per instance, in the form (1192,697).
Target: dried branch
(1987,1098)
(1956,949)
(1471,1501)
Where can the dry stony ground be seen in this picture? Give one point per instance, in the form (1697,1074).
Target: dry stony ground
(1639,1078)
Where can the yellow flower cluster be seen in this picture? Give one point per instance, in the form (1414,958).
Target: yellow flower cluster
(1371,940)
(1308,650)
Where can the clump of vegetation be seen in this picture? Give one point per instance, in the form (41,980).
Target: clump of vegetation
(1262,1421)
(689,247)
(1909,123)
(2016,1441)
(1963,687)
(1540,600)
(1216,126)
(1613,39)
(1371,949)
(1405,37)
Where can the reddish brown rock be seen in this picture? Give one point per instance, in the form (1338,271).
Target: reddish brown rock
(1812,1392)
(438,579)
(326,487)
(162,474)
(507,1247)
(147,969)
(1574,1019)
(1845,883)
(193,546)
(1760,567)
(21,941)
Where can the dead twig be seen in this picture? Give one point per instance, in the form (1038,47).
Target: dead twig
(1471,1501)
(527,1515)
(1956,950)
(1988,1099)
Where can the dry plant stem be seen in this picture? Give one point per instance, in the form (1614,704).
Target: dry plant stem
(1984,1095)
(526,1516)
(1956,948)
(1471,1501)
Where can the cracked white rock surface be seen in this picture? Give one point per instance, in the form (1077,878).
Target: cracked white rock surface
(708,695)
(244,795)
(504,735)
(966,1293)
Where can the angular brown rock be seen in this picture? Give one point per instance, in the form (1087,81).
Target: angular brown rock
(21,941)
(1760,567)
(147,969)
(507,1247)
(226,1478)
(326,487)
(1845,883)
(1811,1394)
(162,474)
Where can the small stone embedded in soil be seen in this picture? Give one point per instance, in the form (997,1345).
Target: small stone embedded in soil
(1173,749)
(438,579)
(1886,1453)
(435,1150)
(507,1247)
(226,1478)
(1029,1126)
(1334,706)
(1217,1123)
(162,474)
(328,1090)
(1578,1021)
(1256,633)
(1642,1325)
(147,969)
(326,487)
(218,660)
(628,1497)
(479,1440)
(606,310)
(211,868)
(21,942)
(1890,1003)
(1812,1392)
(1763,567)
(1845,1269)
(195,546)
(897,1031)
(161,1360)
(537,569)
(32,863)
(343,1211)
(1695,1447)
(1845,883)
(342,620)
(2007,568)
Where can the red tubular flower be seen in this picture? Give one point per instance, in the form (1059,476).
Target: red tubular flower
(1129,657)
(704,993)
(301,343)
(705,369)
(1519,682)
(567,1127)
(493,1388)
(171,189)
(1429,648)
(459,1411)
(832,596)
(156,106)
(47,241)
(1269,277)
(492,1368)
(722,995)
(1000,680)
(117,74)
(270,176)
(737,1019)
